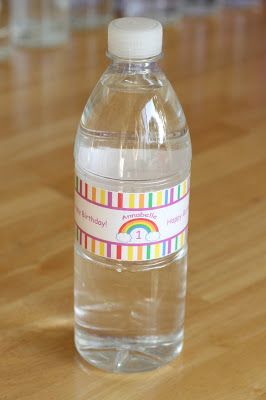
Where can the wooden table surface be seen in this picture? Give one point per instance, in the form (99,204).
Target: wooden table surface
(218,68)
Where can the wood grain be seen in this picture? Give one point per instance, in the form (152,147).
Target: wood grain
(217,65)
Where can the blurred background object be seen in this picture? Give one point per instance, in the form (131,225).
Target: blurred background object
(243,3)
(39,23)
(4,29)
(166,11)
(201,7)
(47,23)
(90,13)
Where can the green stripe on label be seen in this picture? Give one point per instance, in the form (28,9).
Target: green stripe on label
(148,252)
(176,242)
(150,199)
(178,193)
(77,183)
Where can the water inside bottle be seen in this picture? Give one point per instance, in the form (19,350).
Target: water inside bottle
(129,315)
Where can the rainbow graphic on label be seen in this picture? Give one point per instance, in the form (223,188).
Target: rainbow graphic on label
(141,228)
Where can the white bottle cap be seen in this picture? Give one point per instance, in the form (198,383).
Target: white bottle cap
(135,37)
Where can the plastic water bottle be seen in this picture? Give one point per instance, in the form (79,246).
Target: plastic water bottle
(201,7)
(132,165)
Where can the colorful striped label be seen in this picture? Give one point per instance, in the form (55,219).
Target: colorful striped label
(131,226)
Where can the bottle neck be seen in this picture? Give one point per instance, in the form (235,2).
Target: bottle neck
(134,66)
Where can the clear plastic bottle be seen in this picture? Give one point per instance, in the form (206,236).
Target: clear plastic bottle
(166,11)
(202,7)
(132,162)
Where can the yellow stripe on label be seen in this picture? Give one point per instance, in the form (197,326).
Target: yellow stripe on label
(101,249)
(182,239)
(130,253)
(157,250)
(159,198)
(131,200)
(102,196)
(184,188)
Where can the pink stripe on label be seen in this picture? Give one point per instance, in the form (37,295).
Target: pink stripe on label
(110,197)
(169,246)
(172,195)
(108,250)
(86,190)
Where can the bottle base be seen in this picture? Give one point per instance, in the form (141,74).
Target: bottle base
(127,355)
